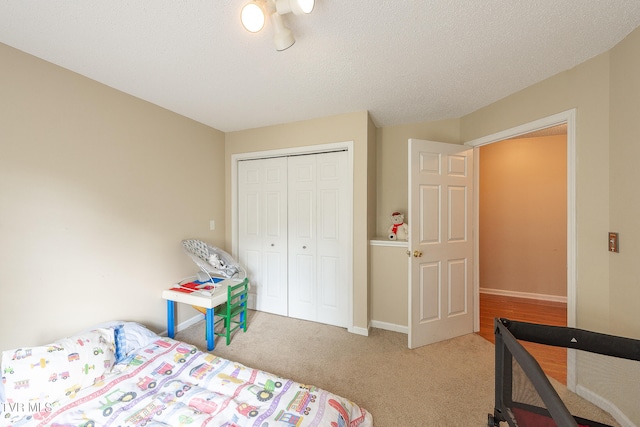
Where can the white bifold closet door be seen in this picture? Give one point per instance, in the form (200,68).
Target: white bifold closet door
(262,230)
(317,238)
(309,215)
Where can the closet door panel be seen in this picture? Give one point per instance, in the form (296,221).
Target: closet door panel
(317,213)
(251,260)
(273,216)
(302,226)
(252,220)
(273,212)
(329,206)
(262,235)
(272,280)
(303,202)
(249,228)
(332,234)
(302,287)
(329,282)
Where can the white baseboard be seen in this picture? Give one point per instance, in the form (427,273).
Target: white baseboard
(390,326)
(184,325)
(359,331)
(606,405)
(527,295)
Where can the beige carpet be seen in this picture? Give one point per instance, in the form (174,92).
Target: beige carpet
(445,384)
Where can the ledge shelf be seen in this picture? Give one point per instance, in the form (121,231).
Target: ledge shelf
(381,241)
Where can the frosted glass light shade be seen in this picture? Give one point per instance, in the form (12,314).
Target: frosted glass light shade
(305,6)
(252,17)
(297,7)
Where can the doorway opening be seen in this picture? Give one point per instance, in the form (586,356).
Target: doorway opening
(557,124)
(523,237)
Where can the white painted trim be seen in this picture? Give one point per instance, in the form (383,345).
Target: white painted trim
(309,149)
(476,239)
(526,295)
(184,325)
(605,404)
(390,327)
(305,149)
(379,242)
(359,330)
(568,117)
(543,123)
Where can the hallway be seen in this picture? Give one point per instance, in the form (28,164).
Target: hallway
(553,360)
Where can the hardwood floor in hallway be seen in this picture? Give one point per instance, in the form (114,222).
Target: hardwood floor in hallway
(553,360)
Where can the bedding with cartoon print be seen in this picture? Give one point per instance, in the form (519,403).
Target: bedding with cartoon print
(170,383)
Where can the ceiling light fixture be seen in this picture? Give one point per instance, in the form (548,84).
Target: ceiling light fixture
(254,13)
(253,17)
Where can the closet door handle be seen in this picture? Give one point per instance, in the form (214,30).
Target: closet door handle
(272,245)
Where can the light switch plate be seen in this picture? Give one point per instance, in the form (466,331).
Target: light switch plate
(613,242)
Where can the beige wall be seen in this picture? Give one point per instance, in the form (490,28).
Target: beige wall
(523,216)
(624,211)
(389,286)
(585,88)
(392,159)
(605,91)
(346,127)
(624,206)
(97,189)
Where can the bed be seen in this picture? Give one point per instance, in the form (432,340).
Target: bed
(123,374)
(524,396)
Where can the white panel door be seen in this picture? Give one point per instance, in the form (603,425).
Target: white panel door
(318,233)
(302,237)
(440,241)
(334,208)
(262,230)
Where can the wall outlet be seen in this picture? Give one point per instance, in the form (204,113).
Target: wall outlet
(212,225)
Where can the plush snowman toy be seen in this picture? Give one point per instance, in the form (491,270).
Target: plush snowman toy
(398,229)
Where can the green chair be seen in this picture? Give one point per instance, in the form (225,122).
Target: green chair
(233,313)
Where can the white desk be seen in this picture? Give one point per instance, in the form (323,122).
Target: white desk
(199,299)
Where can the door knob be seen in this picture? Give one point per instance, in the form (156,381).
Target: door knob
(417,254)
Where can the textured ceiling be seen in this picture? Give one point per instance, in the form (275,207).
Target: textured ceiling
(404,61)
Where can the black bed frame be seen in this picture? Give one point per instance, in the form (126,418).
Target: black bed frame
(508,350)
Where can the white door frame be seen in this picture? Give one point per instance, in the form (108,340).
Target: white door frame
(568,117)
(309,149)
